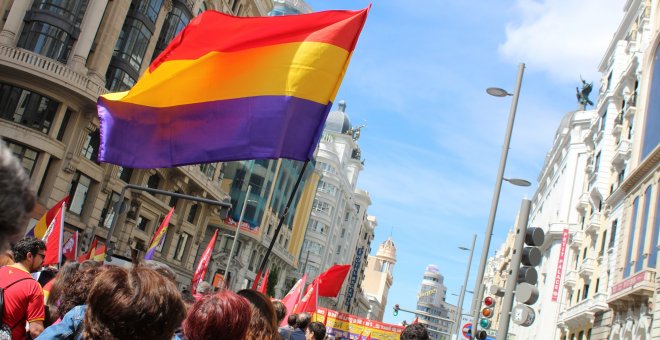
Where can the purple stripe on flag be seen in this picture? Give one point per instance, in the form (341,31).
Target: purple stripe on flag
(235,129)
(150,254)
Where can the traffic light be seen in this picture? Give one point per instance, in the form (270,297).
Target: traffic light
(396,310)
(527,292)
(487,312)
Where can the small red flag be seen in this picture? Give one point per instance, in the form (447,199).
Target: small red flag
(330,281)
(292,298)
(69,249)
(204,263)
(53,238)
(264,283)
(309,301)
(416,320)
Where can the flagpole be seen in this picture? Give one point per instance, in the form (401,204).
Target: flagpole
(279,225)
(61,226)
(238,232)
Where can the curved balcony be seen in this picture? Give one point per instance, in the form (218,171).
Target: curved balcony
(593,226)
(622,153)
(583,201)
(577,238)
(583,312)
(587,267)
(570,279)
(634,287)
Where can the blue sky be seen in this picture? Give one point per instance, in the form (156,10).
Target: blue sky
(434,137)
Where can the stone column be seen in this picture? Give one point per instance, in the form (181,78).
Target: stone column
(109,30)
(89,26)
(12,27)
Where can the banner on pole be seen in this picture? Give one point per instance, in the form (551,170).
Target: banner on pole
(560,265)
(348,326)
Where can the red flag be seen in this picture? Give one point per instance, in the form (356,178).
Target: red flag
(86,256)
(53,238)
(292,298)
(416,320)
(309,301)
(99,253)
(39,230)
(369,336)
(69,249)
(330,281)
(264,283)
(203,263)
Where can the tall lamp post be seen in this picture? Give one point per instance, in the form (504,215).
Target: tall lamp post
(478,289)
(459,309)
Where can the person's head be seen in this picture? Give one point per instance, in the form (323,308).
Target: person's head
(280,310)
(136,303)
(75,293)
(162,269)
(315,331)
(291,321)
(89,264)
(223,315)
(30,252)
(204,288)
(416,331)
(188,298)
(303,320)
(263,324)
(16,198)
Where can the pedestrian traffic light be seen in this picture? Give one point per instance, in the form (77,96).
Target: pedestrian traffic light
(396,309)
(531,256)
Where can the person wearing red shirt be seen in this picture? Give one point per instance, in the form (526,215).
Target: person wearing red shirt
(24,299)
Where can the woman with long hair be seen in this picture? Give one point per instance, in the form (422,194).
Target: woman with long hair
(263,324)
(222,316)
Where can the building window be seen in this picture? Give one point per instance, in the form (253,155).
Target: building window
(253,257)
(153,182)
(108,212)
(117,80)
(176,20)
(207,169)
(181,244)
(613,234)
(631,238)
(142,223)
(651,137)
(150,8)
(47,40)
(90,149)
(27,108)
(597,162)
(80,185)
(653,257)
(257,183)
(132,43)
(641,243)
(192,213)
(27,156)
(125,174)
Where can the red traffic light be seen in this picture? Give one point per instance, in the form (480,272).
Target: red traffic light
(489,301)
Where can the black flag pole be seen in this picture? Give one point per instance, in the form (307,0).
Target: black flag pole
(279,226)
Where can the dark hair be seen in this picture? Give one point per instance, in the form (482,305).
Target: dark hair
(223,315)
(188,297)
(27,245)
(317,329)
(303,320)
(63,279)
(416,331)
(263,324)
(132,304)
(16,198)
(280,310)
(75,293)
(292,320)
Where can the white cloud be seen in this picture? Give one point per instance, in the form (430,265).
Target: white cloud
(565,38)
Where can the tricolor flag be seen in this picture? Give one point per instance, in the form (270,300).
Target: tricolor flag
(203,263)
(232,88)
(39,230)
(53,238)
(99,253)
(292,298)
(159,236)
(88,255)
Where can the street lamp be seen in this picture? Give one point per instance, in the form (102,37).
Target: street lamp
(496,193)
(459,308)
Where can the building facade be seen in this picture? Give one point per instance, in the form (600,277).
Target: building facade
(289,7)
(378,279)
(431,299)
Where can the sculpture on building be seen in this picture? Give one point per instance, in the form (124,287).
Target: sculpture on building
(583,94)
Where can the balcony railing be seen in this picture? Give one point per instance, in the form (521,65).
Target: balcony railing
(587,267)
(571,278)
(622,151)
(638,285)
(49,68)
(599,303)
(593,226)
(577,238)
(578,314)
(583,201)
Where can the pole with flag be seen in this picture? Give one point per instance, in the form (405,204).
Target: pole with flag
(264,283)
(203,263)
(88,255)
(39,229)
(292,298)
(53,238)
(70,247)
(310,299)
(330,281)
(159,236)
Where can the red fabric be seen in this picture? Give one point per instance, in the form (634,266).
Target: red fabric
(264,284)
(203,263)
(53,238)
(330,281)
(309,301)
(416,320)
(86,256)
(292,298)
(24,301)
(69,247)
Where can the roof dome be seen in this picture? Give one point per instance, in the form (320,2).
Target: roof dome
(387,249)
(338,120)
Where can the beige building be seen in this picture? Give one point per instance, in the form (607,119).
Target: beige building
(378,279)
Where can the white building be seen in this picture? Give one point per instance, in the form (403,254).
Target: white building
(431,300)
(378,279)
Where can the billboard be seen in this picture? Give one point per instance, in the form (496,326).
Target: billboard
(346,326)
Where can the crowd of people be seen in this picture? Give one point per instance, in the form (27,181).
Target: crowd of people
(90,300)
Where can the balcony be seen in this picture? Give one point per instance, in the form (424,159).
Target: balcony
(587,267)
(583,201)
(577,238)
(622,152)
(570,279)
(577,315)
(51,70)
(634,287)
(599,303)
(593,226)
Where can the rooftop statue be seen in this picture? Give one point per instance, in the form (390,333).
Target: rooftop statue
(583,95)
